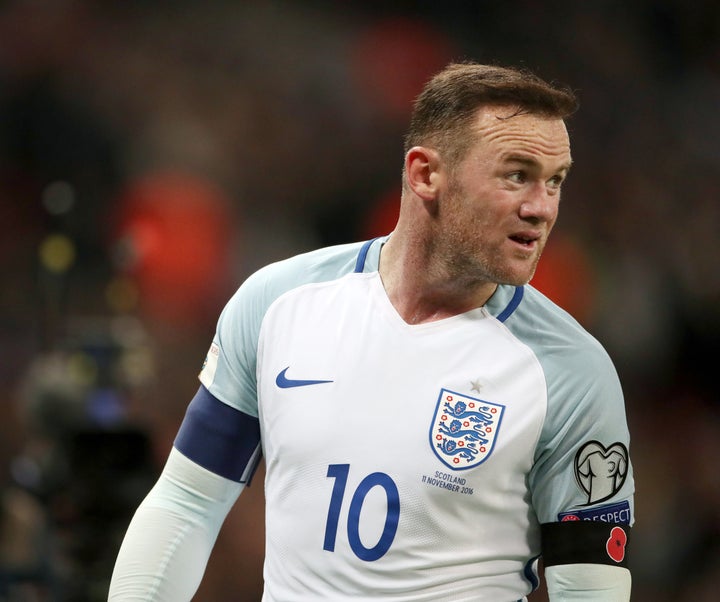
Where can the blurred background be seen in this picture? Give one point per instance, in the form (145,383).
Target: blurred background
(154,153)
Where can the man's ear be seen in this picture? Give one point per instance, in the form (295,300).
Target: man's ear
(422,171)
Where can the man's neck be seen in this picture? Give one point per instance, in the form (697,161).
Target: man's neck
(421,292)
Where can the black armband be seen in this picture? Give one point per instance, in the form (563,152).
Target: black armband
(592,542)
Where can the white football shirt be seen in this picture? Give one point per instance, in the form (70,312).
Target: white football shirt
(412,462)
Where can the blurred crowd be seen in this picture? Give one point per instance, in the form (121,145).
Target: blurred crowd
(154,153)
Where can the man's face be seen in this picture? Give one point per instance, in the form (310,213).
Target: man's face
(498,205)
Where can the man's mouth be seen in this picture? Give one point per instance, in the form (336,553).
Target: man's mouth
(527,240)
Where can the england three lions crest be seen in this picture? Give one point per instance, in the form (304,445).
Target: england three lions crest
(464,429)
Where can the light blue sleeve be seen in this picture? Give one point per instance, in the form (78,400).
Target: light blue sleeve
(582,468)
(229,368)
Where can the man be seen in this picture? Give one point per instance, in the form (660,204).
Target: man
(431,425)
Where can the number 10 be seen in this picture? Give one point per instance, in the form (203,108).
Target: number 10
(339,472)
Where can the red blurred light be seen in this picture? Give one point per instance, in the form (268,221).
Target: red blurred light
(175,231)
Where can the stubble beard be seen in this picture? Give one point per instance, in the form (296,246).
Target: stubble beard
(469,261)
(471,265)
(495,268)
(467,258)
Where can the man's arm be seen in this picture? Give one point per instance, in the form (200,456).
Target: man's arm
(168,543)
(588,583)
(167,546)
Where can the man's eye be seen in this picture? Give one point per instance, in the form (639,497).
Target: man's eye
(555,181)
(517,177)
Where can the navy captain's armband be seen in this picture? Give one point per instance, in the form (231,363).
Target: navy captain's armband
(585,542)
(220,438)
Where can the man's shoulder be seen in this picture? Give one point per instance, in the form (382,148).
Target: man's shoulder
(551,330)
(318,265)
(245,311)
(270,282)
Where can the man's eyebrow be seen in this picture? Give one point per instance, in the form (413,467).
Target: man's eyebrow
(532,162)
(521,159)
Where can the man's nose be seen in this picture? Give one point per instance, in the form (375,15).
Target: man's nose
(540,203)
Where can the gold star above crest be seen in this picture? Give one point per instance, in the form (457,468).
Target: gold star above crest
(476,385)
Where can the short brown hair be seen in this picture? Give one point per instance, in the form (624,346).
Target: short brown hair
(444,110)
